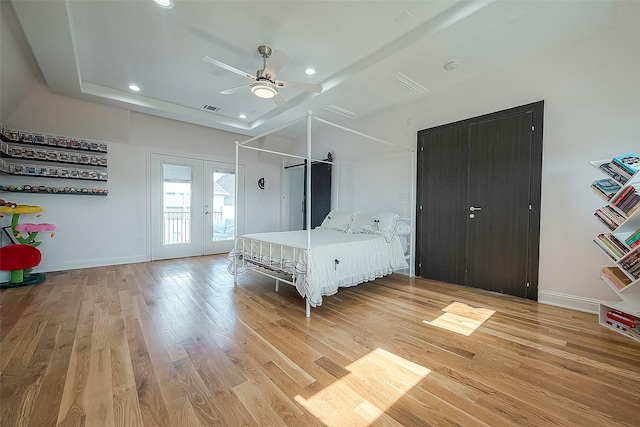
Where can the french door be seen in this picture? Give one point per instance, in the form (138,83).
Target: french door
(193,204)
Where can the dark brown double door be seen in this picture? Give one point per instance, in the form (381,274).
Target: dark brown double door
(478,201)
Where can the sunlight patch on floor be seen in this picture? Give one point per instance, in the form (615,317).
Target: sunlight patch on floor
(375,382)
(461,318)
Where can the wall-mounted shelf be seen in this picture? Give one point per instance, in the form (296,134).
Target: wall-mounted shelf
(28,154)
(45,171)
(51,141)
(35,189)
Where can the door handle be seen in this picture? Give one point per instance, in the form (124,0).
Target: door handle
(207,213)
(475,208)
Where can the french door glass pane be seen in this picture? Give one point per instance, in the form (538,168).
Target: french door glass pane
(224,202)
(176,204)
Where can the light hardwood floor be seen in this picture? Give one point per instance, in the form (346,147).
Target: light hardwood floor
(172,343)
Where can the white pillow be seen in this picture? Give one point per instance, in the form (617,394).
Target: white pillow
(387,224)
(337,220)
(363,224)
(403,228)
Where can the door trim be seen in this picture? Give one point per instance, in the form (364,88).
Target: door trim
(537,111)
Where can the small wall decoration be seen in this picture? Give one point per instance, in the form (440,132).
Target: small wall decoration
(263,183)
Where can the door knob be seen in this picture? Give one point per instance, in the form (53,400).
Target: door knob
(207,213)
(475,208)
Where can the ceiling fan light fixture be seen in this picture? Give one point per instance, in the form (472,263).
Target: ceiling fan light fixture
(264,89)
(167,4)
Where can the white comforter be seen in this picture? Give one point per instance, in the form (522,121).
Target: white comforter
(336,259)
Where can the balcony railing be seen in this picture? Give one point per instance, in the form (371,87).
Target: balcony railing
(176,227)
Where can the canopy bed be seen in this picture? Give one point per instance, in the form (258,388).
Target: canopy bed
(347,249)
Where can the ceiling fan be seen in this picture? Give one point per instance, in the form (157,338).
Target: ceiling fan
(265,84)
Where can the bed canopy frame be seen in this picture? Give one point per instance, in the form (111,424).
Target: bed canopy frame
(309,117)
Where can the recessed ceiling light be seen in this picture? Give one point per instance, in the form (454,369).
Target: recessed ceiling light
(167,4)
(310,71)
(242,116)
(134,88)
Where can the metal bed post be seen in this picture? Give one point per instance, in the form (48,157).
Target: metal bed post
(413,218)
(308,206)
(235,222)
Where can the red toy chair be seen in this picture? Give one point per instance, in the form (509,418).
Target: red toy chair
(16,258)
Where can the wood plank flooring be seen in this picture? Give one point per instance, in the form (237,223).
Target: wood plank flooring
(173,343)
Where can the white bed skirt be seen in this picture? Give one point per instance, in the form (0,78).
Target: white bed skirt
(335,260)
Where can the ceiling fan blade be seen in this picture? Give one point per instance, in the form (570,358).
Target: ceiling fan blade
(279,100)
(275,62)
(233,90)
(228,67)
(305,87)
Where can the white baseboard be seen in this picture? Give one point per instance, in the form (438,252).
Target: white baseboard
(74,265)
(588,305)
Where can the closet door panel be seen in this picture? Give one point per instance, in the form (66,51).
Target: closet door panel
(320,192)
(441,223)
(499,184)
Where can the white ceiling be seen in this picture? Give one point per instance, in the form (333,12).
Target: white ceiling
(93,50)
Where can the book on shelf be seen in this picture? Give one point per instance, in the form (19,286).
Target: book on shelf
(635,242)
(602,195)
(606,250)
(610,241)
(630,260)
(606,168)
(631,264)
(622,326)
(607,187)
(625,193)
(606,221)
(613,239)
(611,214)
(620,170)
(617,325)
(613,248)
(629,203)
(634,270)
(615,277)
(621,319)
(633,237)
(626,315)
(633,209)
(629,162)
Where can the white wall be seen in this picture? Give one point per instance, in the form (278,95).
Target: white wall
(592,105)
(93,230)
(592,111)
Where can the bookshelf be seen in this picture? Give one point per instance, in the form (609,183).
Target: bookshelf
(619,187)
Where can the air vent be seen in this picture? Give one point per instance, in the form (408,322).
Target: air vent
(340,111)
(408,82)
(210,107)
